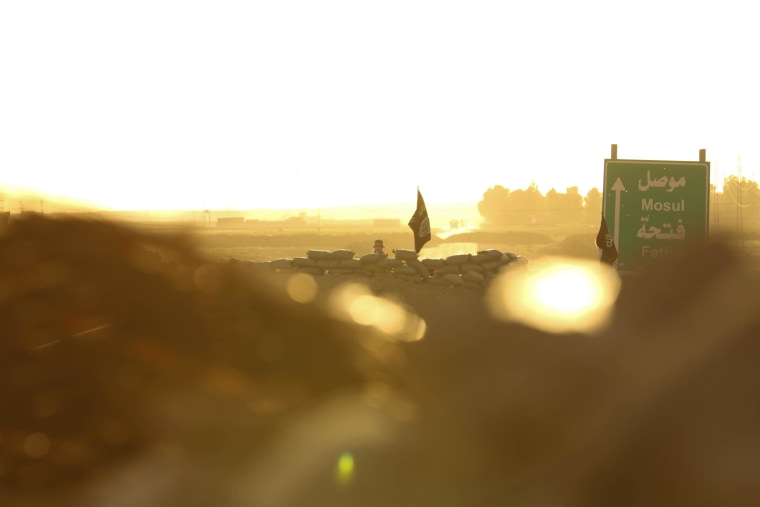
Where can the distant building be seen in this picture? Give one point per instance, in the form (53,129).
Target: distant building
(229,221)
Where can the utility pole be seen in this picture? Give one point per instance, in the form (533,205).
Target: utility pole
(739,203)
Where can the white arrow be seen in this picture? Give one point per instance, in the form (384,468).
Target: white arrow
(617,187)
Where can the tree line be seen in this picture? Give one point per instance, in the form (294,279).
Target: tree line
(736,204)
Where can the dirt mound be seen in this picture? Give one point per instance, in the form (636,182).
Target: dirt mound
(580,246)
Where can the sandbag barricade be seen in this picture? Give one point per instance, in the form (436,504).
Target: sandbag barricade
(459,270)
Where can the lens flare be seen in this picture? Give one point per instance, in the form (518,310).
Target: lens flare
(385,315)
(557,295)
(355,303)
(341,297)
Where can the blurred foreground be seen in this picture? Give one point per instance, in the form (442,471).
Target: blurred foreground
(133,371)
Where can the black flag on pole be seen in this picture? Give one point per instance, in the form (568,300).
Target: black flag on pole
(608,253)
(420,224)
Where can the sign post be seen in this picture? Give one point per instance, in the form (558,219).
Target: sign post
(655,207)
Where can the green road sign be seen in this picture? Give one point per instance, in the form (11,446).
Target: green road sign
(653,208)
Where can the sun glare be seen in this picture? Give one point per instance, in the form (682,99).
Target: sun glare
(557,295)
(254,106)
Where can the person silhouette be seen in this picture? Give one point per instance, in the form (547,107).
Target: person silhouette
(379,248)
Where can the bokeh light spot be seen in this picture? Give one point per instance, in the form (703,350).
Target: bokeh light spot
(557,295)
(36,445)
(302,288)
(355,303)
(344,470)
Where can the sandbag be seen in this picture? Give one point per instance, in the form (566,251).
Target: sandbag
(473,276)
(406,270)
(318,254)
(422,270)
(453,279)
(447,270)
(350,263)
(433,263)
(341,271)
(466,268)
(458,259)
(491,252)
(483,257)
(371,258)
(413,278)
(341,254)
(492,265)
(390,263)
(328,264)
(405,254)
(434,280)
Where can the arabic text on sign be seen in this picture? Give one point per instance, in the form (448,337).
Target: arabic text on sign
(662,182)
(663,232)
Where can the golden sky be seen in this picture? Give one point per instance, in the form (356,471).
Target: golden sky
(253,104)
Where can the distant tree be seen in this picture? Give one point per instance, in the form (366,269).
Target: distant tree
(738,205)
(553,201)
(500,206)
(493,207)
(592,206)
(564,207)
(593,201)
(526,206)
(574,204)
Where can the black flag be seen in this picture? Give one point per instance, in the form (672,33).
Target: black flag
(605,243)
(420,224)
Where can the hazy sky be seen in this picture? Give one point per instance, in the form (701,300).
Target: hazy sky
(247,104)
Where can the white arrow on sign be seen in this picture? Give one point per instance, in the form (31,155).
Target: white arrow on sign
(617,187)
